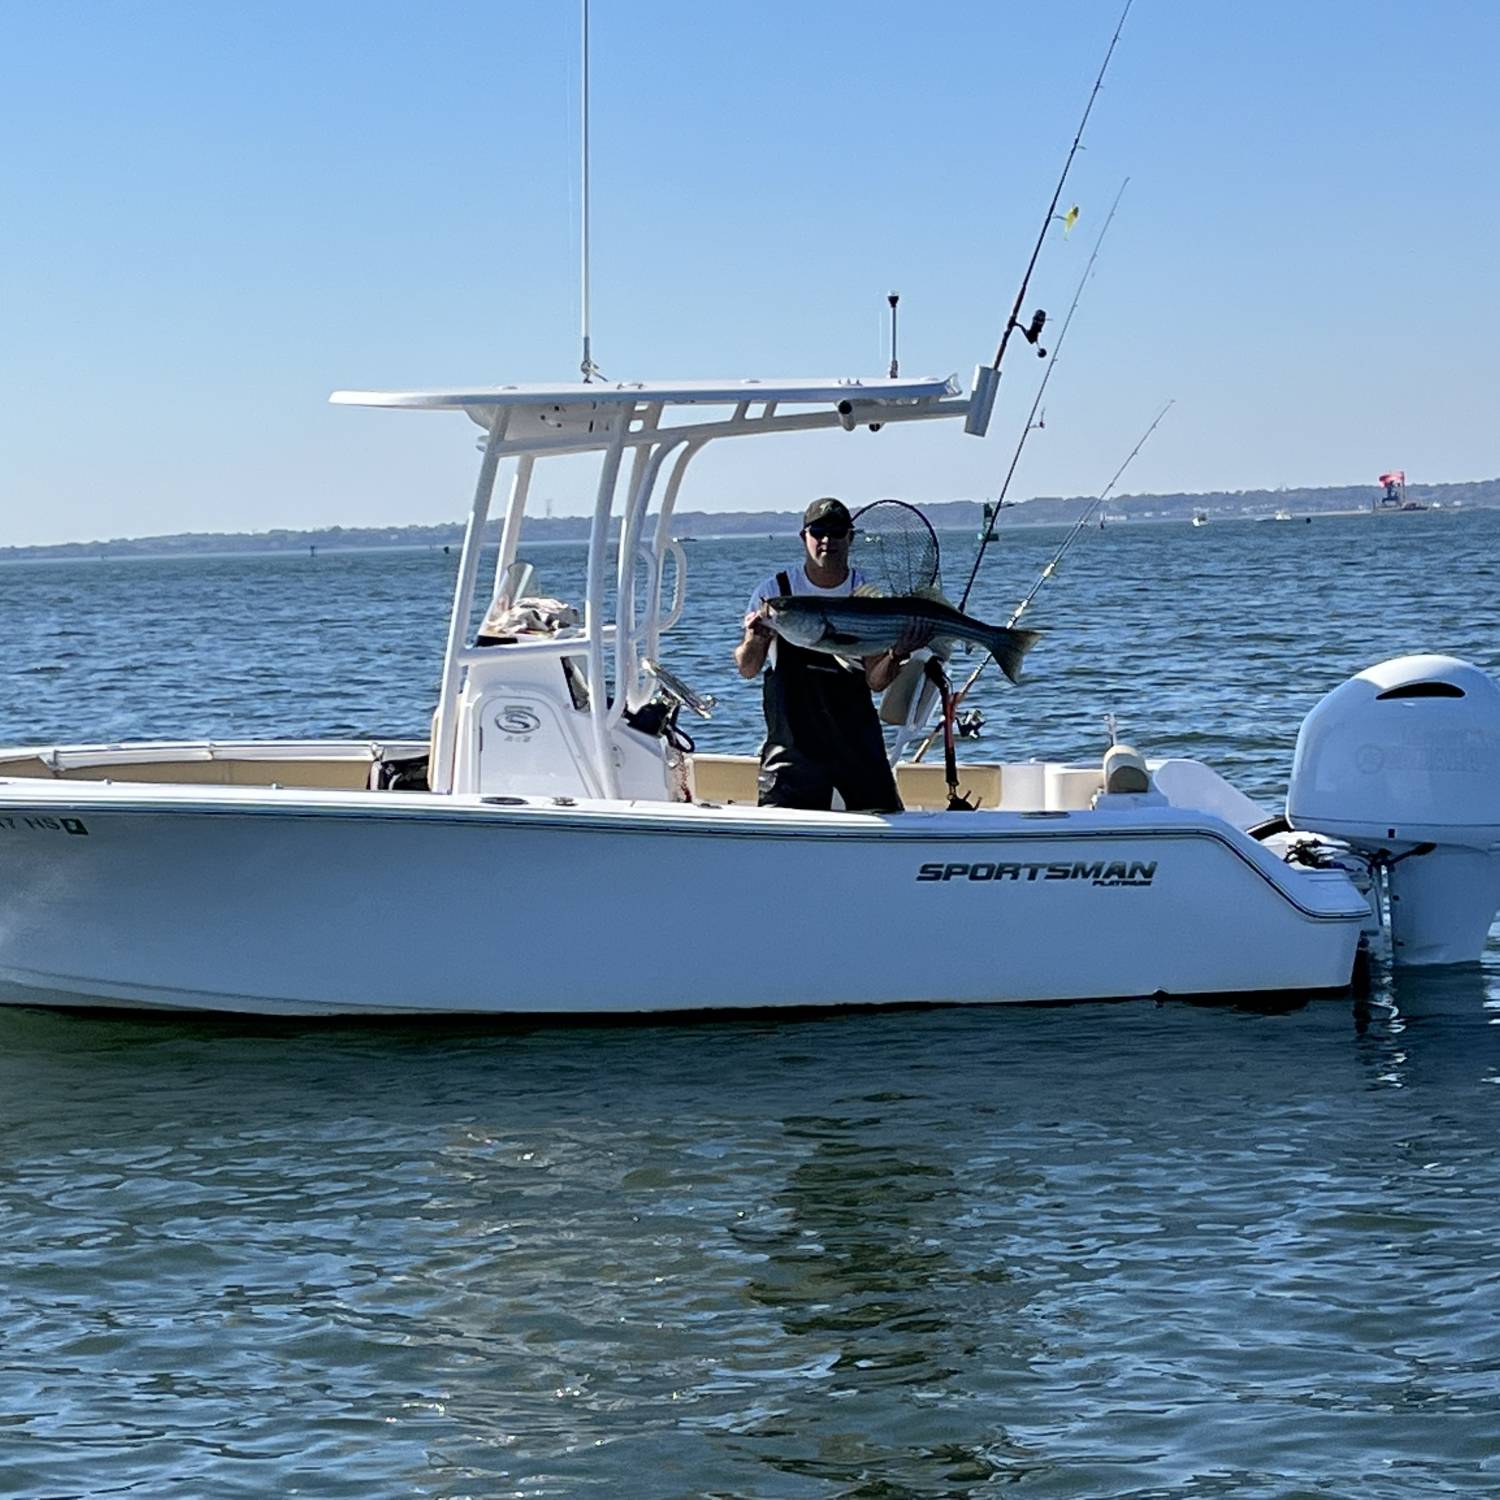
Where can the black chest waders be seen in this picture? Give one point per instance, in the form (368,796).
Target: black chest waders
(822,734)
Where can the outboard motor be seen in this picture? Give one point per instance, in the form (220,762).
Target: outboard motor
(1403,763)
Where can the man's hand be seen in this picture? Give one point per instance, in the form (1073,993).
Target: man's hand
(881,671)
(909,645)
(750,654)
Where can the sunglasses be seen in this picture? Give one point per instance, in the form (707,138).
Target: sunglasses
(830,531)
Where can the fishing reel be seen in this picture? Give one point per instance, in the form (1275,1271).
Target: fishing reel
(1033,331)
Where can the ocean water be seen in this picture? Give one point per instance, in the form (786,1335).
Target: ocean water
(1137,1249)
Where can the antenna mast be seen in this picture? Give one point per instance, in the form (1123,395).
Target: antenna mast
(587,365)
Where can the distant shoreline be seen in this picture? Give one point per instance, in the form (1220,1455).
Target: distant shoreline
(945,515)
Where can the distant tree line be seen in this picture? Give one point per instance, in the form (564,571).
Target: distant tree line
(1045,510)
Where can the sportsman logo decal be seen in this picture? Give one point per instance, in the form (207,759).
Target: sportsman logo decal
(1117,872)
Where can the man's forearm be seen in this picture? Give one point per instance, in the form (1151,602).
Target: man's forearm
(750,654)
(881,671)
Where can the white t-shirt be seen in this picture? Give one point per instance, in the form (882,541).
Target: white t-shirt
(770,588)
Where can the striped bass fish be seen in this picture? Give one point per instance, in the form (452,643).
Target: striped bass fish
(866,625)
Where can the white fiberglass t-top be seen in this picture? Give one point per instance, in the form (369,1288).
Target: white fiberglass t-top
(623,616)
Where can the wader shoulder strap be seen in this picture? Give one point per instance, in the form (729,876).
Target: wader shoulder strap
(784,583)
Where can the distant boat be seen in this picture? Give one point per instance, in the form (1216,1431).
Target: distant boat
(1200,518)
(1282,515)
(1393,494)
(987,526)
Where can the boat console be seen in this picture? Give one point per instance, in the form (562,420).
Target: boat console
(523,727)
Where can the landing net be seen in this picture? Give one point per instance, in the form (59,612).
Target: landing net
(895,547)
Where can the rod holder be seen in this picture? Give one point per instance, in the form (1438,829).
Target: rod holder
(982,400)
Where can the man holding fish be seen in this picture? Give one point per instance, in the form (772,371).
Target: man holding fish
(822,732)
(827,640)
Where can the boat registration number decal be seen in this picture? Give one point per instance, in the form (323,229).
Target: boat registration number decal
(1117,872)
(40,823)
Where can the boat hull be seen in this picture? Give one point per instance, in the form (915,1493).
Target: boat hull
(280,903)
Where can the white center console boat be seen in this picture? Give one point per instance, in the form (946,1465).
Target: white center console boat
(556,824)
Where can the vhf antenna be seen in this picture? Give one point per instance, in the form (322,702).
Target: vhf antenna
(587,366)
(893,298)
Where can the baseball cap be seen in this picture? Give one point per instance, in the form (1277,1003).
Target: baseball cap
(827,509)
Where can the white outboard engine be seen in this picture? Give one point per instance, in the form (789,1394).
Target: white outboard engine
(1403,763)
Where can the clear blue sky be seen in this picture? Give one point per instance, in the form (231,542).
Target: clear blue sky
(213,215)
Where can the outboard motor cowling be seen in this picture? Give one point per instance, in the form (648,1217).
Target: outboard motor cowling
(1403,763)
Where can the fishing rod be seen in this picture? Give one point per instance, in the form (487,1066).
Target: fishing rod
(1083,521)
(924,706)
(952,706)
(1030,426)
(987,377)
